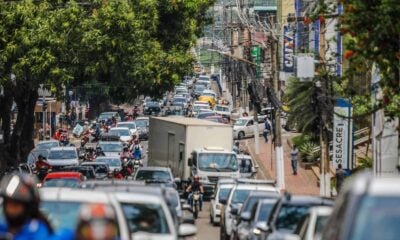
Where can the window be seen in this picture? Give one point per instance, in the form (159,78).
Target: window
(289,216)
(145,217)
(250,123)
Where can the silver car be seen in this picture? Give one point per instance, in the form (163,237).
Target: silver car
(63,156)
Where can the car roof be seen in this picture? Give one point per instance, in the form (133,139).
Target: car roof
(226,181)
(384,186)
(63,175)
(63,149)
(109,157)
(108,113)
(267,194)
(306,200)
(256,187)
(119,128)
(150,168)
(246,118)
(73,195)
(321,210)
(93,163)
(47,141)
(110,142)
(142,118)
(125,122)
(243,156)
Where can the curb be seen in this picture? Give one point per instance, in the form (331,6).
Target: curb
(263,174)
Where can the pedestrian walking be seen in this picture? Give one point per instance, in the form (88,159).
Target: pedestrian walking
(294,153)
(340,176)
(267,129)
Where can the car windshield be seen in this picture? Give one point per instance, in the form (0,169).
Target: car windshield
(120,132)
(223,193)
(141,123)
(47,145)
(221,109)
(264,212)
(127,125)
(199,107)
(199,87)
(106,116)
(240,122)
(378,218)
(208,94)
(217,162)
(98,168)
(319,226)
(112,162)
(240,195)
(180,100)
(62,182)
(62,215)
(245,165)
(205,115)
(153,175)
(111,147)
(250,202)
(289,216)
(152,104)
(145,217)
(60,155)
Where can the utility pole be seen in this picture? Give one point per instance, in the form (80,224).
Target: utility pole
(325,179)
(279,160)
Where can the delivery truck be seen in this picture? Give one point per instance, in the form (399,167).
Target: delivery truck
(191,146)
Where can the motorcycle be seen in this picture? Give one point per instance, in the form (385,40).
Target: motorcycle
(136,164)
(195,203)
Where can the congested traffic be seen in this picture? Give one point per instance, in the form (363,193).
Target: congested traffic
(154,171)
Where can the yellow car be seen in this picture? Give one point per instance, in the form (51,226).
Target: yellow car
(209,99)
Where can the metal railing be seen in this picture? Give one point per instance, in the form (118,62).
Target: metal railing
(361,136)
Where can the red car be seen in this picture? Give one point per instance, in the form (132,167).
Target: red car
(63,179)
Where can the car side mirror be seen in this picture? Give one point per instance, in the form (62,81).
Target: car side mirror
(261,227)
(223,201)
(234,211)
(189,219)
(187,230)
(245,216)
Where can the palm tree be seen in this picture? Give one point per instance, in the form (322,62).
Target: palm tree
(301,99)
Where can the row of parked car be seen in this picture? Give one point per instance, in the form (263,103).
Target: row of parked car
(367,208)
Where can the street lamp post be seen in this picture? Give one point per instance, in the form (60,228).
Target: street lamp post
(44,111)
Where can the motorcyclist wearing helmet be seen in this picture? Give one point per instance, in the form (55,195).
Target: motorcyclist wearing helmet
(40,163)
(97,221)
(99,152)
(125,153)
(196,185)
(21,209)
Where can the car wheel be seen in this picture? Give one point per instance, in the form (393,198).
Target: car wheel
(241,135)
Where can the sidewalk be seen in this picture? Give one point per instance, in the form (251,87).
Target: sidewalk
(305,182)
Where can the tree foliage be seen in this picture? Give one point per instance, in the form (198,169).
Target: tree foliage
(374,32)
(123,47)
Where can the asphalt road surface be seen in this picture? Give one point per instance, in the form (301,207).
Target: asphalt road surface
(205,230)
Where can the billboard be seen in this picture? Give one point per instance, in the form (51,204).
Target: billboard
(342,134)
(288,49)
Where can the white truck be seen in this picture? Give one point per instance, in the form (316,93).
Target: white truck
(191,146)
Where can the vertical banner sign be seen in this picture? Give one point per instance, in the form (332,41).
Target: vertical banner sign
(288,50)
(316,38)
(342,134)
(339,46)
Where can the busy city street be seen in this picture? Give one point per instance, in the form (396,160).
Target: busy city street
(199,120)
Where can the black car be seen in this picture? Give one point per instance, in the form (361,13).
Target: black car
(101,170)
(87,171)
(287,213)
(247,207)
(152,108)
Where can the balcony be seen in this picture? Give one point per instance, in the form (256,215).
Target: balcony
(265,5)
